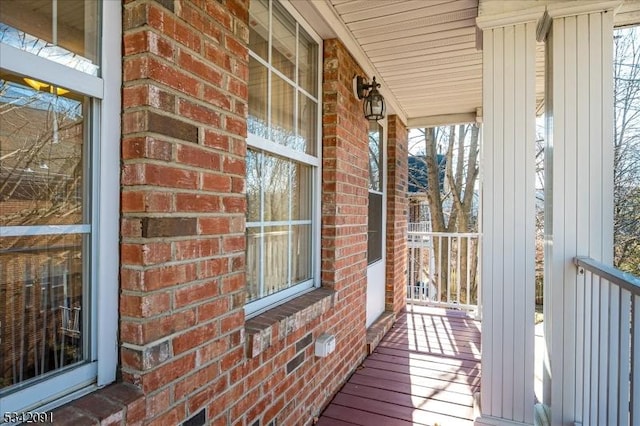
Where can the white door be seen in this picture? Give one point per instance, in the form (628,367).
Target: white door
(377,222)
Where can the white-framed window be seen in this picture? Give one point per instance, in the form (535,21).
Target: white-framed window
(283,157)
(60,79)
(376,208)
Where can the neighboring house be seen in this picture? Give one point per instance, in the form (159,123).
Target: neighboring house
(205,207)
(417,185)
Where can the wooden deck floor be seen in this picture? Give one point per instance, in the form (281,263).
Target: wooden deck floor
(424,372)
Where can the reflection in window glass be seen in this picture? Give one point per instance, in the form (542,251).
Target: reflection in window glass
(254,254)
(254,177)
(42,292)
(308,63)
(276,242)
(282,112)
(301,192)
(285,189)
(300,253)
(258,86)
(259,28)
(307,130)
(277,189)
(65,32)
(375,156)
(42,139)
(283,49)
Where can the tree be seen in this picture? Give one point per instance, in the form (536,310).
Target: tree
(627,150)
(453,203)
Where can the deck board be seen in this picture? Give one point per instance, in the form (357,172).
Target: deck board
(424,371)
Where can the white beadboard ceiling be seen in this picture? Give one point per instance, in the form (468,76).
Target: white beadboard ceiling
(423,51)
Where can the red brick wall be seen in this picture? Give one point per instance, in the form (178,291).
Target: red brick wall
(182,326)
(185,71)
(397,213)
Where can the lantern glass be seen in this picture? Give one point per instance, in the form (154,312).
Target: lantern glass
(374,107)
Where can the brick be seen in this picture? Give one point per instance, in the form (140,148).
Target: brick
(198,157)
(198,203)
(205,376)
(234,166)
(200,68)
(214,139)
(158,402)
(213,309)
(168,227)
(199,113)
(172,127)
(232,321)
(217,97)
(168,373)
(195,249)
(103,409)
(67,415)
(146,358)
(167,276)
(217,183)
(231,244)
(156,253)
(169,177)
(214,225)
(195,293)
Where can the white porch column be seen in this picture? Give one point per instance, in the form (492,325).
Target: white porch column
(578,197)
(508,254)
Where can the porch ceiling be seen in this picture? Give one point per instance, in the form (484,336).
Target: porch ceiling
(426,53)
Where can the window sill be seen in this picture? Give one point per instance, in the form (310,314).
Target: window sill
(275,324)
(110,405)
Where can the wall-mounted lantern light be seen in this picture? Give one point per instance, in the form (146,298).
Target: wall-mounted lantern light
(374,107)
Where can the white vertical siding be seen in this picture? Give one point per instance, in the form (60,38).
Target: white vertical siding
(508,219)
(580,199)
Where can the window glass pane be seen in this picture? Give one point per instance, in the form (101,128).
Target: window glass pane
(42,138)
(307,125)
(257,121)
(283,39)
(253,185)
(62,31)
(259,28)
(276,253)
(282,112)
(42,295)
(301,253)
(277,187)
(307,62)
(375,156)
(254,250)
(301,192)
(374,241)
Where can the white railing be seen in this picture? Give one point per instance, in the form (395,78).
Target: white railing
(420,227)
(609,350)
(443,269)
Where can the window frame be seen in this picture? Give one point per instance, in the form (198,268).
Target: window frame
(62,386)
(382,170)
(264,145)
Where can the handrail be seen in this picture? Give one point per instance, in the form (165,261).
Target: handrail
(607,344)
(446,234)
(623,279)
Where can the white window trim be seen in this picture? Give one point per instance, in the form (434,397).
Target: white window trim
(75,381)
(263,304)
